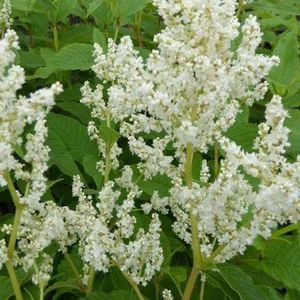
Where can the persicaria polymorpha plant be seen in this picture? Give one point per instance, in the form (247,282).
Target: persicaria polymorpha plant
(169,109)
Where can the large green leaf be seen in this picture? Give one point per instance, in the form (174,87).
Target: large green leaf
(95,296)
(109,135)
(89,164)
(282,262)
(243,135)
(60,155)
(73,134)
(76,109)
(62,9)
(293,123)
(292,295)
(76,56)
(114,295)
(242,283)
(124,8)
(159,183)
(93,5)
(278,7)
(6,289)
(286,77)
(64,269)
(31,59)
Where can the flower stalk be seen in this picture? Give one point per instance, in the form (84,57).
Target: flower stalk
(13,237)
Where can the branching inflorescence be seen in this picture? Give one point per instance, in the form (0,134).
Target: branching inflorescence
(23,154)
(187,94)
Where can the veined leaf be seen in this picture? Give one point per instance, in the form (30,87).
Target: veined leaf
(242,283)
(60,156)
(73,134)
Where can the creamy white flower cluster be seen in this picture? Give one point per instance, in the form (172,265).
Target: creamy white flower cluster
(191,87)
(107,235)
(16,113)
(5,16)
(167,295)
(187,94)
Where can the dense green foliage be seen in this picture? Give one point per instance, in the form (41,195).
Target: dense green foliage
(56,38)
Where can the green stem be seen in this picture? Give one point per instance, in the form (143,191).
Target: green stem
(91,280)
(194,224)
(214,255)
(134,286)
(117,30)
(12,189)
(13,237)
(189,165)
(197,258)
(14,280)
(138,29)
(285,230)
(190,284)
(202,288)
(14,233)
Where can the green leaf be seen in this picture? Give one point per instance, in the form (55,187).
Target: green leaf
(118,280)
(294,150)
(91,7)
(242,283)
(281,261)
(109,135)
(89,164)
(64,270)
(60,155)
(6,290)
(73,134)
(159,183)
(76,109)
(293,122)
(215,280)
(99,38)
(178,273)
(286,77)
(23,5)
(78,33)
(103,14)
(31,59)
(95,296)
(212,293)
(75,56)
(122,294)
(243,135)
(62,9)
(279,7)
(292,295)
(125,8)
(114,295)
(243,115)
